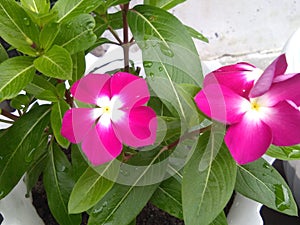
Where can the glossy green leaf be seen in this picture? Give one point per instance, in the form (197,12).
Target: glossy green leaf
(76,34)
(15,74)
(78,60)
(213,183)
(19,146)
(58,110)
(42,89)
(168,196)
(166,45)
(36,6)
(136,183)
(58,182)
(48,35)
(284,152)
(177,100)
(69,8)
(3,54)
(91,187)
(16,27)
(220,220)
(116,206)
(196,34)
(79,163)
(20,102)
(38,165)
(164,4)
(56,63)
(261,182)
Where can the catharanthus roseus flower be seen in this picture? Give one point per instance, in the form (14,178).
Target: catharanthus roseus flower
(120,115)
(260,110)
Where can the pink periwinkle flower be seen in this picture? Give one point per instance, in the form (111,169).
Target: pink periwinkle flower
(260,109)
(119,116)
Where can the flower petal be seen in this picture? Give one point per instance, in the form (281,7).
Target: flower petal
(101,145)
(89,88)
(284,90)
(239,77)
(138,127)
(263,84)
(248,140)
(221,103)
(284,120)
(76,123)
(132,90)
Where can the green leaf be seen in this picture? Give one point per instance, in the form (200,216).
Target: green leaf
(20,102)
(78,66)
(48,35)
(15,74)
(56,63)
(116,207)
(3,54)
(164,4)
(261,182)
(69,8)
(168,196)
(177,101)
(213,183)
(58,183)
(79,163)
(196,34)
(136,183)
(91,187)
(76,34)
(19,145)
(58,110)
(220,220)
(36,6)
(284,153)
(42,89)
(37,166)
(166,45)
(17,28)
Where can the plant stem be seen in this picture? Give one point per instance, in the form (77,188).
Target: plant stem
(116,36)
(9,115)
(126,44)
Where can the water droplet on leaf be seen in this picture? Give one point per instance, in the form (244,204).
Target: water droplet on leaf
(166,50)
(61,168)
(26,21)
(1,193)
(160,68)
(147,64)
(96,211)
(282,200)
(1,157)
(266,165)
(294,153)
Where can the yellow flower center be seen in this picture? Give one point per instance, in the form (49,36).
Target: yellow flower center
(106,109)
(255,106)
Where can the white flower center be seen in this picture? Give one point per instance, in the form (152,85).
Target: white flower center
(109,110)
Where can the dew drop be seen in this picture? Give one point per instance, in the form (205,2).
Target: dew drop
(166,50)
(147,64)
(26,21)
(61,168)
(267,166)
(294,153)
(1,157)
(1,193)
(282,200)
(151,75)
(124,173)
(96,211)
(105,204)
(160,69)
(30,155)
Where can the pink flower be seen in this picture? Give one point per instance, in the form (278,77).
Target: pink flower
(260,110)
(119,116)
